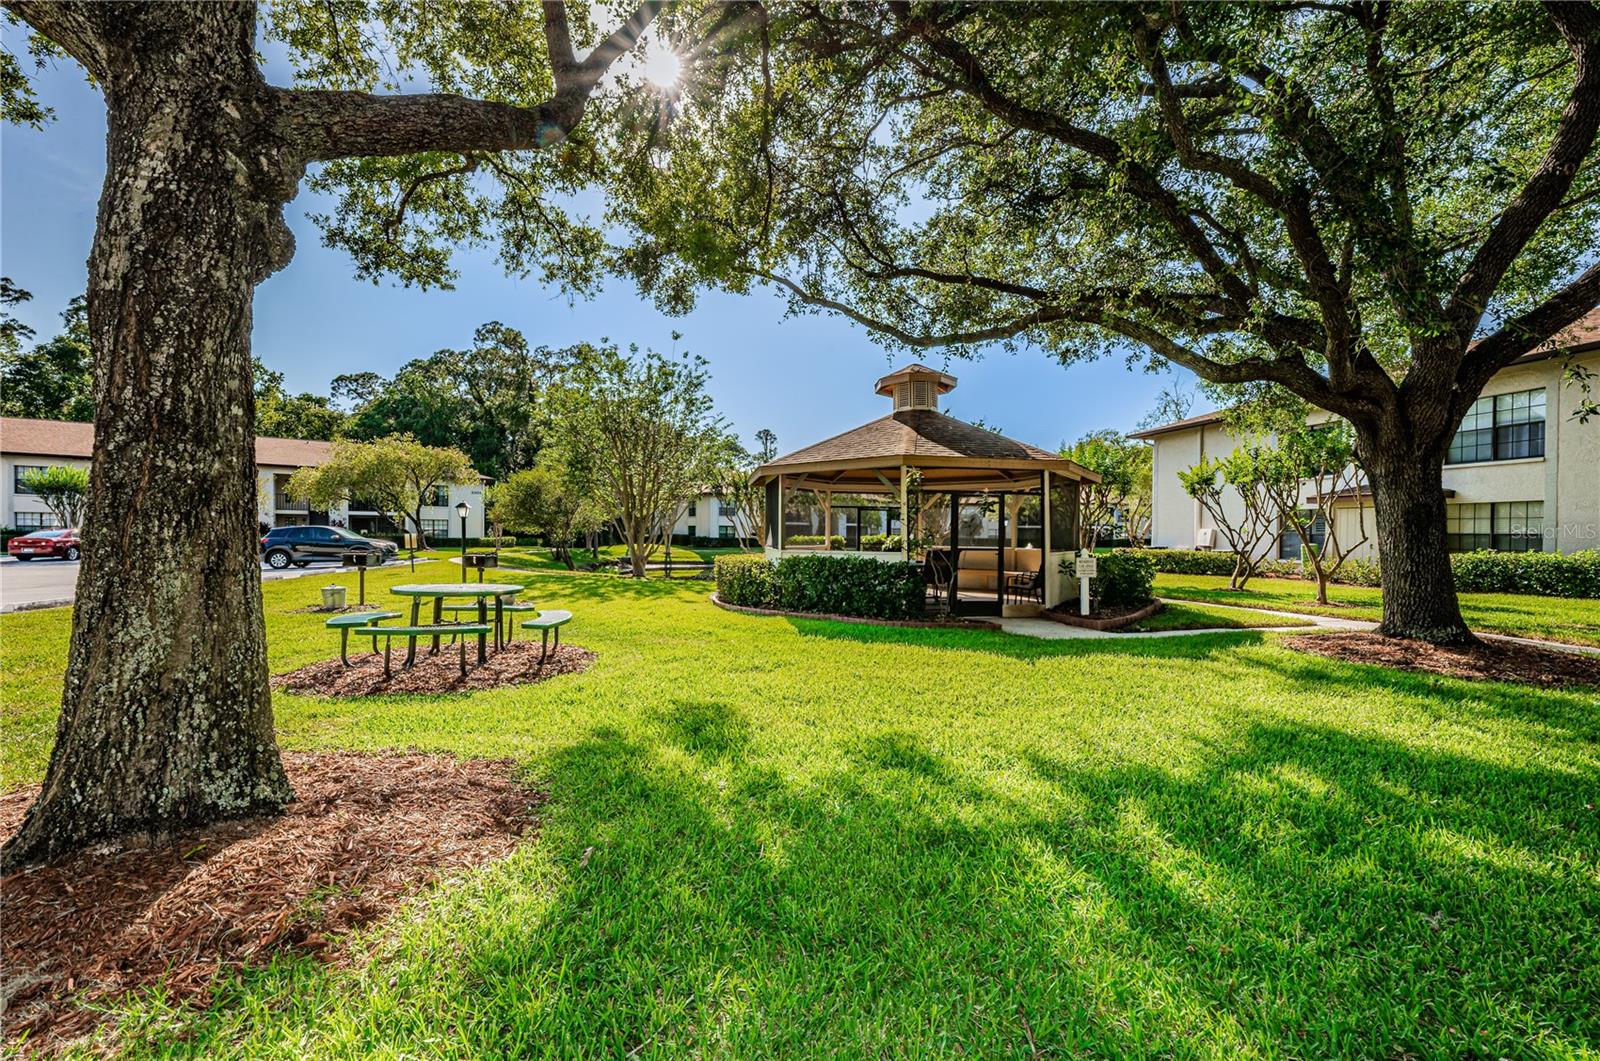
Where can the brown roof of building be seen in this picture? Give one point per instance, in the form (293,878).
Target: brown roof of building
(63,438)
(1581,336)
(1203,420)
(918,434)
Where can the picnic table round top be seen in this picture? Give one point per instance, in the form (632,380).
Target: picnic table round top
(457,589)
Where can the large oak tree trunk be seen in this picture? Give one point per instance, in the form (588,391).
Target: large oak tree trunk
(1419,590)
(166,714)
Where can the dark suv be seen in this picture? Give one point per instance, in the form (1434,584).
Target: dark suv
(301,545)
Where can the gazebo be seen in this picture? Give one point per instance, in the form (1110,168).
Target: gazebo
(990,518)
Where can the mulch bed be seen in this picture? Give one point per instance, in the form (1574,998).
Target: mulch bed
(963,624)
(515,664)
(1488,661)
(1106,618)
(364,832)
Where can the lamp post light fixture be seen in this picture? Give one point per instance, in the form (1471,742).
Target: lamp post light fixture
(461,510)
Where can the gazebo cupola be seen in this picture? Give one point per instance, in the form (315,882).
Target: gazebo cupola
(915,386)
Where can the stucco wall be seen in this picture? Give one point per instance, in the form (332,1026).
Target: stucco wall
(14,502)
(1566,478)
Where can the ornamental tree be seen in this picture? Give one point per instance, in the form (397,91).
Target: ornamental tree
(1375,206)
(398,474)
(639,436)
(545,500)
(401,111)
(1232,492)
(1123,492)
(1304,474)
(62,489)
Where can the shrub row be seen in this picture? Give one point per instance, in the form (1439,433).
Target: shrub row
(1547,574)
(835,585)
(1485,571)
(835,541)
(744,579)
(1125,578)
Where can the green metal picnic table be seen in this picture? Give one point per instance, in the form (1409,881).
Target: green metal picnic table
(440,592)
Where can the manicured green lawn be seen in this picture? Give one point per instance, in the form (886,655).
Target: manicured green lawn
(1201,617)
(535,559)
(785,837)
(1569,619)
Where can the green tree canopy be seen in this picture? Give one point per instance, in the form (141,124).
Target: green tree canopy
(54,380)
(488,399)
(280,414)
(639,435)
(63,489)
(398,474)
(1123,493)
(546,500)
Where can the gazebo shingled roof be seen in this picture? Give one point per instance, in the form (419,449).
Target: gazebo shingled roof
(914,433)
(920,436)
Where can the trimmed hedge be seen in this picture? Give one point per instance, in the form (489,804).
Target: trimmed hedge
(1190,561)
(1547,574)
(834,585)
(1485,571)
(835,541)
(744,580)
(1124,578)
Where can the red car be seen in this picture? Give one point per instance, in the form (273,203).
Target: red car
(60,544)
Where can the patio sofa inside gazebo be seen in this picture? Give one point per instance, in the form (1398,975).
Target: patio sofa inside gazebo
(990,518)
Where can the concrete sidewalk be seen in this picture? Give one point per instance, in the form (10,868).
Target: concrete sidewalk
(1048,630)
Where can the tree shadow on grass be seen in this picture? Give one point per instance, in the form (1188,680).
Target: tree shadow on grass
(1295,890)
(1020,646)
(1575,712)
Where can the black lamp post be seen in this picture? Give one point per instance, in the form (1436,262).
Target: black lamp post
(461,510)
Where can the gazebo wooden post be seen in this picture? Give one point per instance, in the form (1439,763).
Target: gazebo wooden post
(905,510)
(827,520)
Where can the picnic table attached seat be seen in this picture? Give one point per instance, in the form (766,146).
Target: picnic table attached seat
(507,606)
(517,606)
(411,633)
(554,619)
(344,623)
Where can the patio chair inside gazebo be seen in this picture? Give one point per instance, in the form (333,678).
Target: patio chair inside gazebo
(992,516)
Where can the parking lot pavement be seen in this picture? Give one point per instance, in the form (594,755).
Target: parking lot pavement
(36,583)
(48,583)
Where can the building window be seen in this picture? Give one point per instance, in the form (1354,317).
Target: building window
(1509,526)
(16,478)
(29,521)
(437,496)
(1500,427)
(1289,544)
(439,527)
(691,530)
(724,531)
(692,505)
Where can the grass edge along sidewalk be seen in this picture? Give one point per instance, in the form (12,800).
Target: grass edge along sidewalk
(1572,620)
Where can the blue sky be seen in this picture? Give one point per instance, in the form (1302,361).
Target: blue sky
(806,378)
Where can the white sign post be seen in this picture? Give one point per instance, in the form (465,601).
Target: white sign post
(1087,568)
